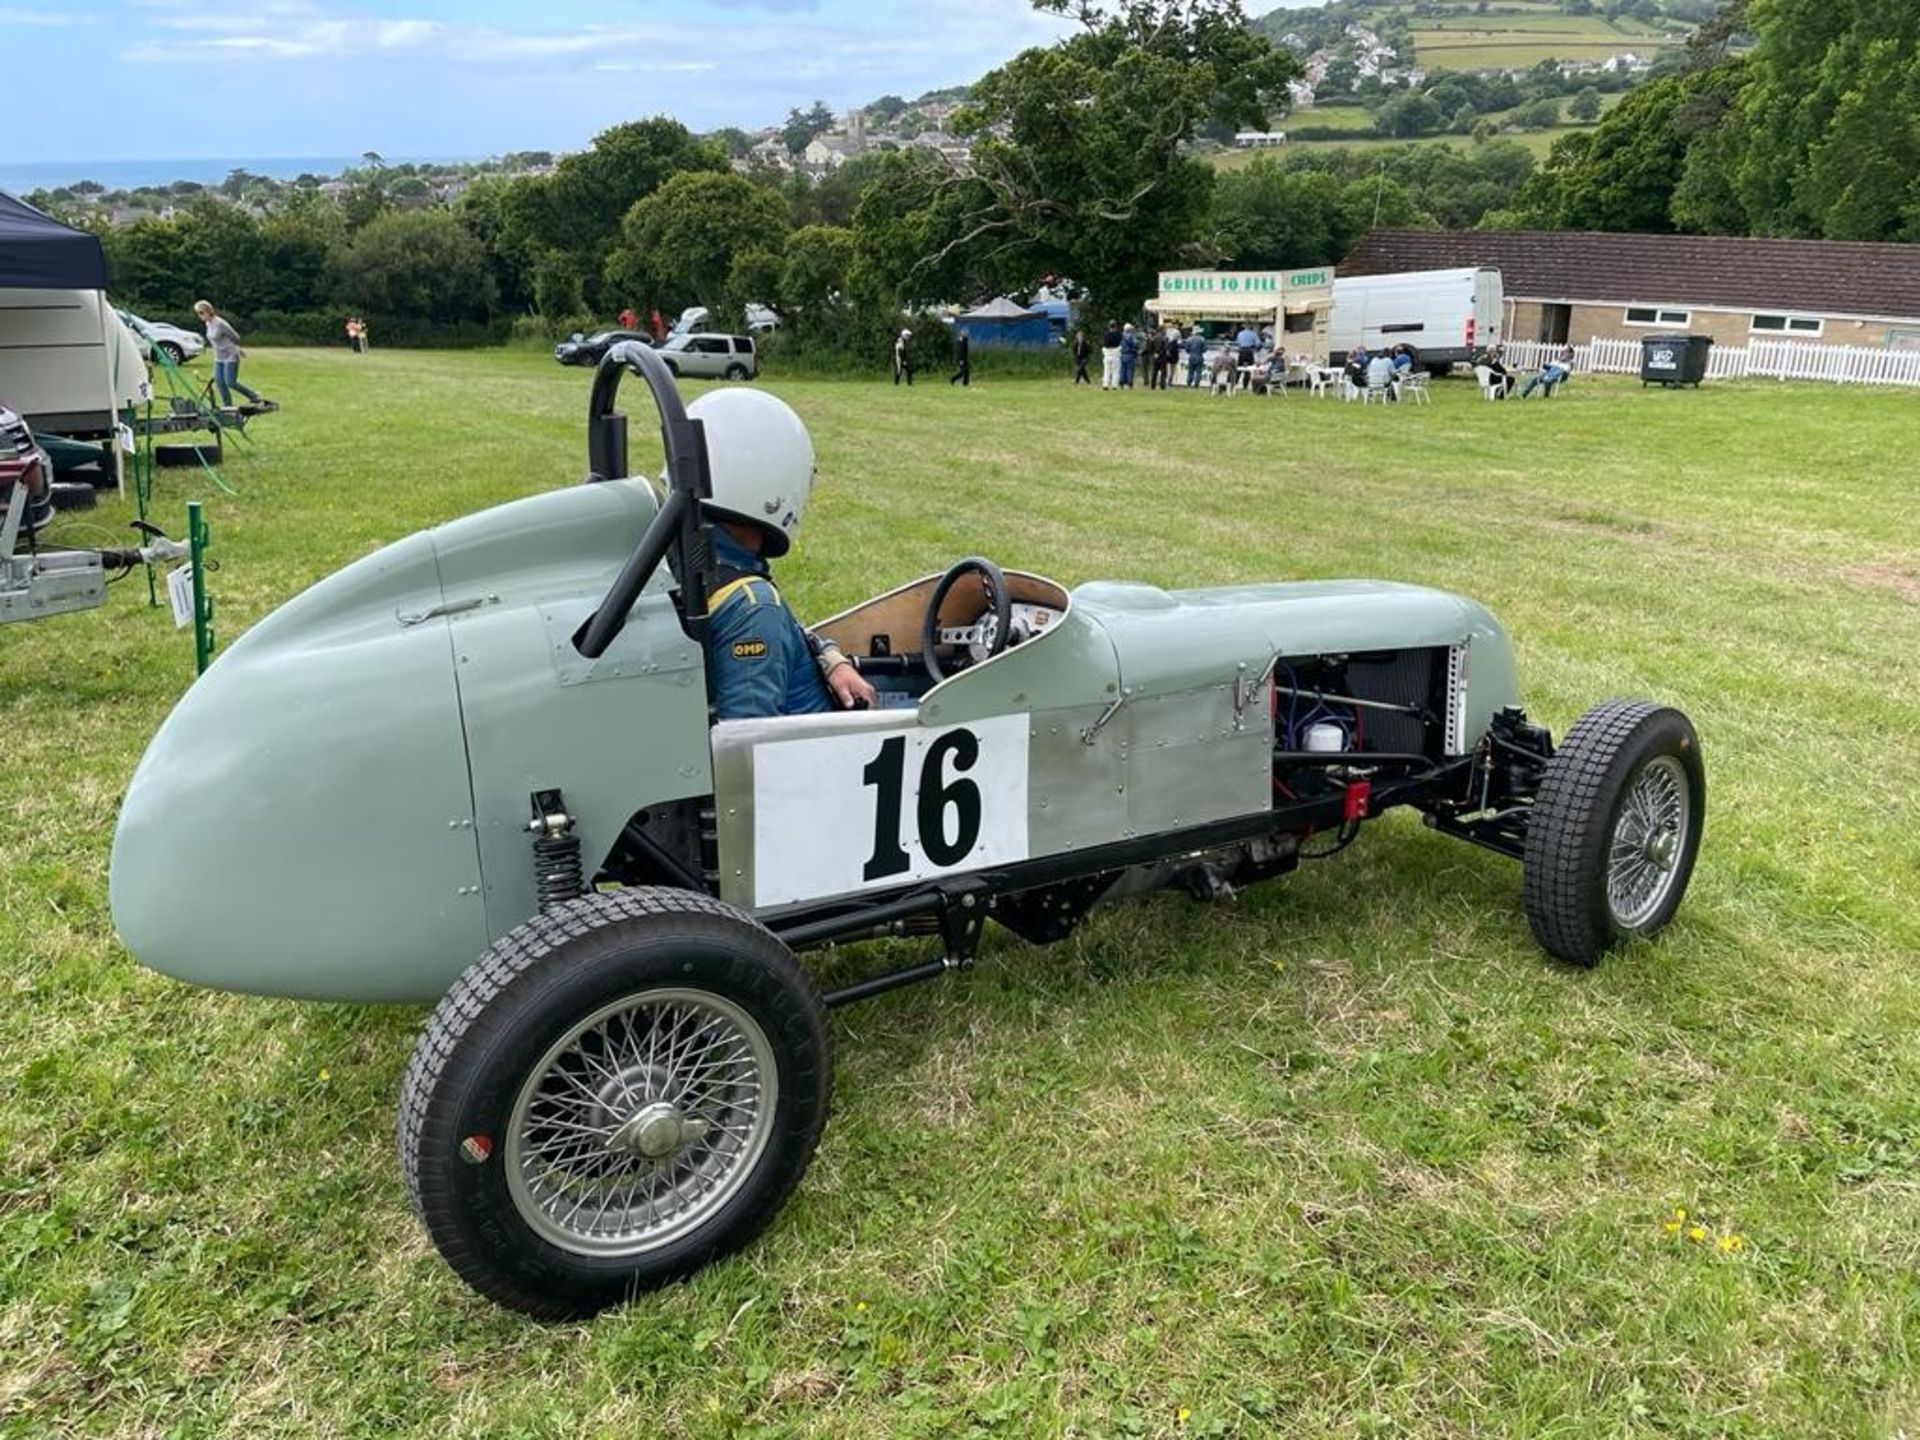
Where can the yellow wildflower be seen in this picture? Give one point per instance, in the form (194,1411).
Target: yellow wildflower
(1184,1415)
(861,1305)
(1697,1233)
(325,1074)
(1731,1244)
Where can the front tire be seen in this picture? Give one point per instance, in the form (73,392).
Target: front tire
(616,1093)
(1615,830)
(171,349)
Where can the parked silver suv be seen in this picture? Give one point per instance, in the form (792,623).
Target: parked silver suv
(711,357)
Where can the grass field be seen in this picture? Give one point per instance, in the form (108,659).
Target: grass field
(1344,1157)
(1357,120)
(1537,142)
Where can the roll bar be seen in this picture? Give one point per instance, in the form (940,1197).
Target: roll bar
(679,528)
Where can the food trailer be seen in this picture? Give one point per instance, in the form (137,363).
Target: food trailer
(1297,304)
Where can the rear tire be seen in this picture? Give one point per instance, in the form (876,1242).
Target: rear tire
(1615,830)
(616,1093)
(736,372)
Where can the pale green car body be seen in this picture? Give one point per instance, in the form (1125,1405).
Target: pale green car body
(338,808)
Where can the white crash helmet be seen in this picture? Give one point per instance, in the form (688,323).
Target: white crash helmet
(761,459)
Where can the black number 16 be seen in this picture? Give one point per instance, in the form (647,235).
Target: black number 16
(886,772)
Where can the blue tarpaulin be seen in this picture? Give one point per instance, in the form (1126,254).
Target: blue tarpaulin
(37,252)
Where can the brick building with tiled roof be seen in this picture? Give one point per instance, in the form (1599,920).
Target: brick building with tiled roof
(1576,285)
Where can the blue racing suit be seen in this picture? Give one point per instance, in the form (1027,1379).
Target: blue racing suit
(758,659)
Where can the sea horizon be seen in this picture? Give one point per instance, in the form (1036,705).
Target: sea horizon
(21,176)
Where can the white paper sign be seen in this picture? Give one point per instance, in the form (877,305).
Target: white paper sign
(180,595)
(125,432)
(842,813)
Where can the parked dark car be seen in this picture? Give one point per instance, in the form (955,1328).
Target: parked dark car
(580,349)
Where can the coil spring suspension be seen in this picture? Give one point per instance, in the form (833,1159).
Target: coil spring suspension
(556,852)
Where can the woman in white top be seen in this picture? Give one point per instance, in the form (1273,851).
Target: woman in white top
(225,343)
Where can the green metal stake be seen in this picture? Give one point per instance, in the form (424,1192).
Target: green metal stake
(199,536)
(143,484)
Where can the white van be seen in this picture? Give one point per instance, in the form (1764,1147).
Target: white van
(1444,316)
(698,320)
(68,364)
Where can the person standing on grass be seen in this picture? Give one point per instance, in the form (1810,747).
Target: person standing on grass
(963,377)
(903,358)
(1129,355)
(224,340)
(1247,341)
(628,320)
(1196,357)
(1081,351)
(1110,346)
(353,335)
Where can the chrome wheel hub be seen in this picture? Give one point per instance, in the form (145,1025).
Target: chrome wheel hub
(641,1122)
(654,1131)
(1649,836)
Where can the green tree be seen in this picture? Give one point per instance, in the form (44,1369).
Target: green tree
(911,229)
(572,217)
(417,264)
(1078,166)
(803,125)
(1826,130)
(1405,116)
(819,261)
(1538,115)
(1585,106)
(481,208)
(682,241)
(1621,174)
(1269,215)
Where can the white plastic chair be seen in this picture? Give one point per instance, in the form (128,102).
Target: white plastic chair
(1414,388)
(1490,384)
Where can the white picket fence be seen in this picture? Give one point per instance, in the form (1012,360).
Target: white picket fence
(1760,359)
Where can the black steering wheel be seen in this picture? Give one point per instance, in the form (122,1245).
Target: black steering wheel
(993,628)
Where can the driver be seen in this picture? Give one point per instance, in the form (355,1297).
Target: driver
(760,660)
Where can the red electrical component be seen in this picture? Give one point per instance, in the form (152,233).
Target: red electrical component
(1359,792)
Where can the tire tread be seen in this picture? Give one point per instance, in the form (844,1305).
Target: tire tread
(471,1004)
(1573,798)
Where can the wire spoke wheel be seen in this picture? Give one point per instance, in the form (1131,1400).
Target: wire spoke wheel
(1649,837)
(640,1122)
(617,1092)
(1615,830)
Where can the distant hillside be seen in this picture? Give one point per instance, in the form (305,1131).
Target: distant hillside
(1478,35)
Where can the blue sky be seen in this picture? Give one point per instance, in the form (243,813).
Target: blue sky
(460,77)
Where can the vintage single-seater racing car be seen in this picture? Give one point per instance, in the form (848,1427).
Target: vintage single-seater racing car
(482,768)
